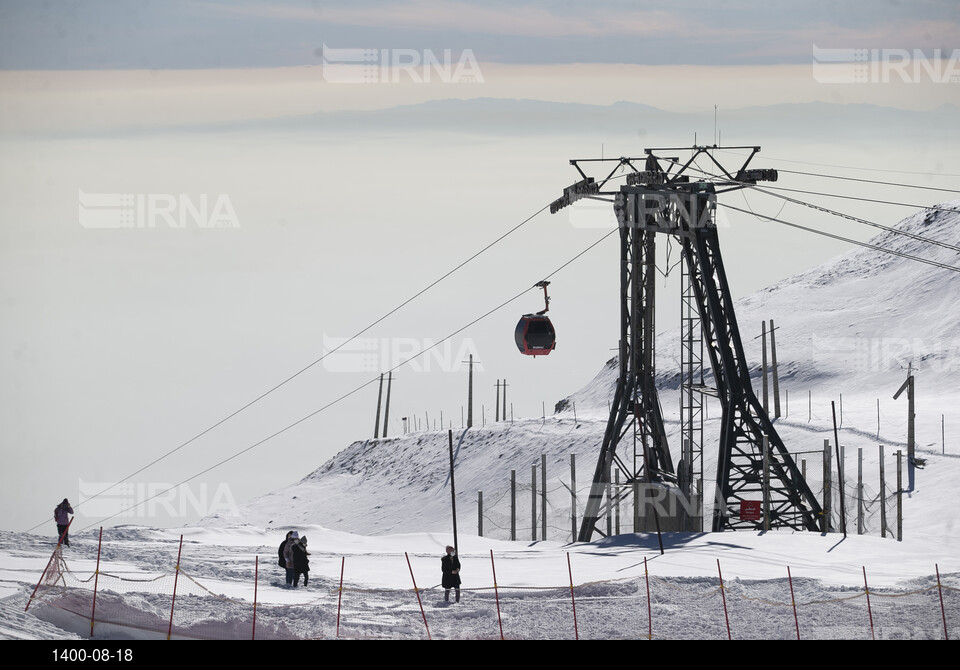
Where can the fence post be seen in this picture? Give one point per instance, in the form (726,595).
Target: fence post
(343,560)
(573,498)
(859,490)
(513,505)
(866,589)
(176,577)
(883,497)
(496,593)
(543,496)
(56,550)
(616,502)
(646,576)
(256,581)
(793,602)
(96,580)
(943,615)
(899,496)
(722,593)
(609,504)
(533,502)
(573,600)
(766,483)
(480,513)
(636,506)
(417,592)
(827,492)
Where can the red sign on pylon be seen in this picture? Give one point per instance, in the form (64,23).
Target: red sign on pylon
(750,510)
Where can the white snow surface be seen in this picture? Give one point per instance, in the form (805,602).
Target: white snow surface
(846,332)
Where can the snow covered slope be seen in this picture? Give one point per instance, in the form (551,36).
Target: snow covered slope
(846,328)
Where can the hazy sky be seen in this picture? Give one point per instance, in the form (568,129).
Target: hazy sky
(161,34)
(332,205)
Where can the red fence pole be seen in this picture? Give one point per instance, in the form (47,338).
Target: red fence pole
(49,563)
(256,579)
(943,614)
(725,615)
(340,593)
(176,576)
(415,590)
(793,601)
(96,580)
(576,633)
(646,576)
(866,590)
(496,593)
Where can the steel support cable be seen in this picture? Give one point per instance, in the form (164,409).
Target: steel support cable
(870,181)
(827,210)
(889,229)
(846,239)
(852,167)
(311,365)
(355,390)
(860,199)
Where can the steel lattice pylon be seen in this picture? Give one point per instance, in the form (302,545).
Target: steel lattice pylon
(657,202)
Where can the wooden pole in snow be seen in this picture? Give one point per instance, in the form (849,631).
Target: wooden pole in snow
(376,425)
(773,370)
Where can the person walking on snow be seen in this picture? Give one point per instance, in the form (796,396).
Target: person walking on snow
(450,566)
(301,564)
(281,561)
(60,515)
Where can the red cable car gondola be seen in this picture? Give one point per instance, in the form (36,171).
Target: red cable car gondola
(535,335)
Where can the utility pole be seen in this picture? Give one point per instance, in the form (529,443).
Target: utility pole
(470,395)
(453,493)
(766,394)
(376,425)
(773,365)
(386,410)
(911,427)
(504,412)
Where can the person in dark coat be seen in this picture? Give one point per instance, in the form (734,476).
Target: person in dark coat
(301,564)
(281,560)
(60,514)
(293,539)
(450,566)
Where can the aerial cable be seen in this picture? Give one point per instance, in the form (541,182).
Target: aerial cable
(355,390)
(847,239)
(826,210)
(870,181)
(890,229)
(851,167)
(911,205)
